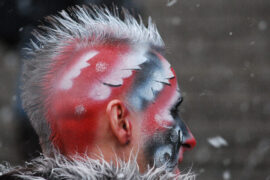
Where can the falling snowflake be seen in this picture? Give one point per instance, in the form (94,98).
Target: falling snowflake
(226,175)
(217,141)
(171,3)
(262,25)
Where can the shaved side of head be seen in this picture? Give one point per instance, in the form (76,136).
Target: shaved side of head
(85,57)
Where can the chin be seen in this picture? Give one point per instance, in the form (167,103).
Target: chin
(172,167)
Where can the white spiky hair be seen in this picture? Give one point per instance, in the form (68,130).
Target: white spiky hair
(79,24)
(84,22)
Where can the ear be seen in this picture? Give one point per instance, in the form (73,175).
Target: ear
(120,125)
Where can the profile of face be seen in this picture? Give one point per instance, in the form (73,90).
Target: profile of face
(80,108)
(157,97)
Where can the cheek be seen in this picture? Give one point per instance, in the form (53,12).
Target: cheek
(163,154)
(157,120)
(160,149)
(158,115)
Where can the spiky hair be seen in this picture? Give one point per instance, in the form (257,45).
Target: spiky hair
(84,22)
(87,25)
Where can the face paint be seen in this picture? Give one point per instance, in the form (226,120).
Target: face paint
(85,81)
(158,97)
(149,81)
(75,70)
(78,92)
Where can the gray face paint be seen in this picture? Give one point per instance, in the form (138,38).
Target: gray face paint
(164,147)
(163,155)
(149,81)
(176,135)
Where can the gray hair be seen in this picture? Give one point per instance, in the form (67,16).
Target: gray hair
(78,23)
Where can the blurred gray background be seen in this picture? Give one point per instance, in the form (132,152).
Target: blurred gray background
(221,52)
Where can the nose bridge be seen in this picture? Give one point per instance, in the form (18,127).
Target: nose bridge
(189,142)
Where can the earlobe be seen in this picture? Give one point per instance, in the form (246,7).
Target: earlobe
(118,118)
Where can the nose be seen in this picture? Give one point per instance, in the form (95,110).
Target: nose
(189,142)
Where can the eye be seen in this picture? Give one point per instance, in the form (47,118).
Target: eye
(179,102)
(175,108)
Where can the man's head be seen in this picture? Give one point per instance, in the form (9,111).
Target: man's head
(97,83)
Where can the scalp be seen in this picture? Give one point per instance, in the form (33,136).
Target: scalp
(56,53)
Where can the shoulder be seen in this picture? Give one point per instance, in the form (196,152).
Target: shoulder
(59,167)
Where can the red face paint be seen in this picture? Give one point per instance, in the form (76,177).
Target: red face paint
(82,82)
(167,135)
(77,96)
(158,114)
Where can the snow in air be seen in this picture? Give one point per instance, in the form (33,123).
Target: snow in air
(217,141)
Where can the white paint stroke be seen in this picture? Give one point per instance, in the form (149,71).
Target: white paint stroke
(75,71)
(168,72)
(100,91)
(79,109)
(127,63)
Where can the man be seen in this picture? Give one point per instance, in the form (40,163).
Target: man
(99,92)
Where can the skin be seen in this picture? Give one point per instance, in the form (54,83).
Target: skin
(119,101)
(156,142)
